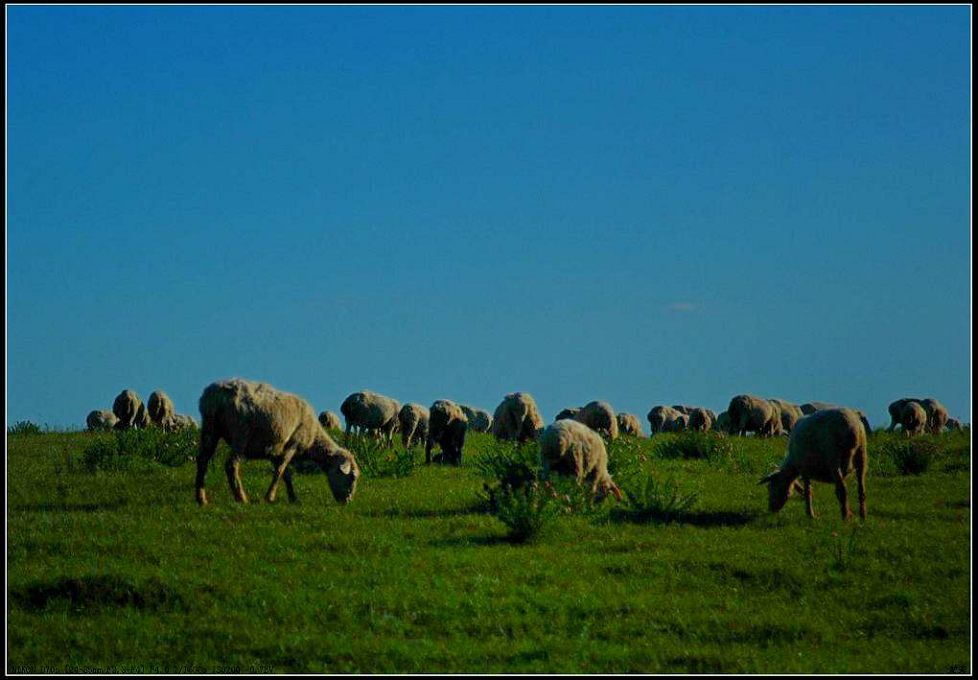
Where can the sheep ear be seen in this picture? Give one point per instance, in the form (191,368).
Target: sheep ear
(345,466)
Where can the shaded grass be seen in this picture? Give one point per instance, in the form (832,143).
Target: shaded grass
(416,576)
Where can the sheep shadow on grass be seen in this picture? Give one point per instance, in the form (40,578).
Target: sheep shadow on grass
(706,519)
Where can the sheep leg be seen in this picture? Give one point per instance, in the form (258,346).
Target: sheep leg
(842,494)
(427,450)
(287,477)
(232,467)
(208,445)
(861,483)
(279,474)
(808,498)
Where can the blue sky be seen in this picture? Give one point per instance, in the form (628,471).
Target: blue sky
(642,205)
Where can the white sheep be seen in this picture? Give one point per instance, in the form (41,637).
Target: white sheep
(372,413)
(516,418)
(330,421)
(826,447)
(753,414)
(479,420)
(790,413)
(446,428)
(413,423)
(160,409)
(260,422)
(701,419)
(130,411)
(913,419)
(571,448)
(101,420)
(180,421)
(629,424)
(936,415)
(661,419)
(600,417)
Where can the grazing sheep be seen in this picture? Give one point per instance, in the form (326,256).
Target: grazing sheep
(570,414)
(913,419)
(600,417)
(516,418)
(413,422)
(372,413)
(180,421)
(129,410)
(660,419)
(101,420)
(701,420)
(330,421)
(160,409)
(260,422)
(678,424)
(936,415)
(682,408)
(825,446)
(953,425)
(896,411)
(446,428)
(629,424)
(479,419)
(753,414)
(722,424)
(790,414)
(571,448)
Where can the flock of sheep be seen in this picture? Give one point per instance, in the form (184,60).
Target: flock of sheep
(826,442)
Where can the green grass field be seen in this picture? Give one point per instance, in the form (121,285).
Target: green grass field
(112,567)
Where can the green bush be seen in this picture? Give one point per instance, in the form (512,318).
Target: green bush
(526,509)
(376,459)
(649,500)
(126,449)
(897,454)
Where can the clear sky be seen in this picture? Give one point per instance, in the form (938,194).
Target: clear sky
(643,205)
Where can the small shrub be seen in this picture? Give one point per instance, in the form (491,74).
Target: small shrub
(914,458)
(510,464)
(24,427)
(900,455)
(526,510)
(650,500)
(125,449)
(375,459)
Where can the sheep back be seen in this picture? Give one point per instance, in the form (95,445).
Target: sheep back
(160,408)
(100,420)
(447,424)
(661,417)
(330,421)
(913,418)
(600,417)
(516,418)
(480,420)
(569,447)
(370,411)
(413,422)
(129,410)
(629,424)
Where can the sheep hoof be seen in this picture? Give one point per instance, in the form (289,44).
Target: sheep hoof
(201,497)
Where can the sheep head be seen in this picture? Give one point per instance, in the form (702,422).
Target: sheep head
(341,470)
(780,484)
